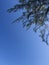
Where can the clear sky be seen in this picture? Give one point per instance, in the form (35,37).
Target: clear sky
(18,46)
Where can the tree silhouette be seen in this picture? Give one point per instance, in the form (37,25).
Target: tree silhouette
(35,12)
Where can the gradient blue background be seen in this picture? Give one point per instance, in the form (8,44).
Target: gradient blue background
(18,46)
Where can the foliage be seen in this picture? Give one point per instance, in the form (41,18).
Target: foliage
(35,13)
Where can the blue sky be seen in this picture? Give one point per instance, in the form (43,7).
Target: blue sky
(18,46)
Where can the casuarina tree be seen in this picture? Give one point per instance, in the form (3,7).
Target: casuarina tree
(34,13)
